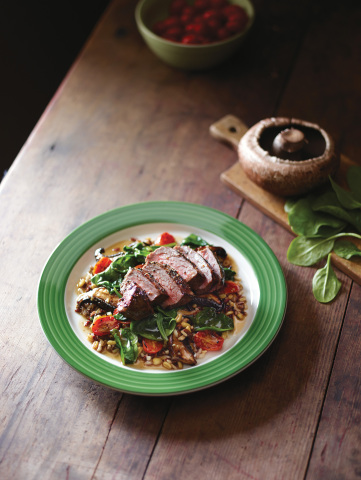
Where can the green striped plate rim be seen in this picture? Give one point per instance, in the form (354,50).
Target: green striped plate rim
(266,322)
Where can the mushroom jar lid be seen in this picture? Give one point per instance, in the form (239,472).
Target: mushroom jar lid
(287,156)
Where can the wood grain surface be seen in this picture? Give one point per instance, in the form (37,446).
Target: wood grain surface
(125,128)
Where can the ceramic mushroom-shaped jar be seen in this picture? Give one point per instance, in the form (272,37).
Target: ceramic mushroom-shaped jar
(287,156)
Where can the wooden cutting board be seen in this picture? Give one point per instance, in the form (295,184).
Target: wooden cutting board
(230,130)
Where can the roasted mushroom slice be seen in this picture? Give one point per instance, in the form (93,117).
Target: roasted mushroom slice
(206,301)
(99,253)
(181,351)
(99,297)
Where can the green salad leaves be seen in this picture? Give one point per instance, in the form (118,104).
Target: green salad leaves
(132,255)
(127,342)
(322,221)
(156,327)
(209,319)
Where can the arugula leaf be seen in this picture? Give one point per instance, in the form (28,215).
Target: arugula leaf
(209,319)
(325,284)
(346,249)
(194,241)
(127,342)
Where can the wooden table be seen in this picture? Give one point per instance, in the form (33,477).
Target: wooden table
(124,128)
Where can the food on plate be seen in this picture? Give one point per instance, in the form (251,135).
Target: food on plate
(161,303)
(205,21)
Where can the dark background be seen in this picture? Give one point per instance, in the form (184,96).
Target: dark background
(39,41)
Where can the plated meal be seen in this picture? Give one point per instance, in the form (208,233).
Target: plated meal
(258,275)
(161,303)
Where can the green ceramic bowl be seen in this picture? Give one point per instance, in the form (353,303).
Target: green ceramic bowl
(186,57)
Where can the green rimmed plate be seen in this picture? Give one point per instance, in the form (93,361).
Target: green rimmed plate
(262,277)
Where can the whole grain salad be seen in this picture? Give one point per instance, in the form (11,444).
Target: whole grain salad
(161,302)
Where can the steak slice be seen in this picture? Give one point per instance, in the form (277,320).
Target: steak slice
(213,262)
(210,277)
(155,292)
(178,291)
(178,262)
(135,303)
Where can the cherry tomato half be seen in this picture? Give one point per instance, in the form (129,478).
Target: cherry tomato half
(152,346)
(101,265)
(230,287)
(208,340)
(103,325)
(164,239)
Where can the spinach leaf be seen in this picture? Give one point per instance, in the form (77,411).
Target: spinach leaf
(117,270)
(194,241)
(325,284)
(120,317)
(209,319)
(289,204)
(127,342)
(330,204)
(156,327)
(346,249)
(305,221)
(347,199)
(354,180)
(305,251)
(139,250)
(229,274)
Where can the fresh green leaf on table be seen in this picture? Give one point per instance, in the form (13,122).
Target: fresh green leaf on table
(290,203)
(329,203)
(305,221)
(347,199)
(325,284)
(346,249)
(354,180)
(306,251)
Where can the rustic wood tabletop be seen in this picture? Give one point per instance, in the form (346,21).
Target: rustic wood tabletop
(125,128)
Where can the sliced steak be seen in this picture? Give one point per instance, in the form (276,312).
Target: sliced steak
(135,303)
(147,283)
(178,291)
(210,277)
(178,262)
(213,262)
